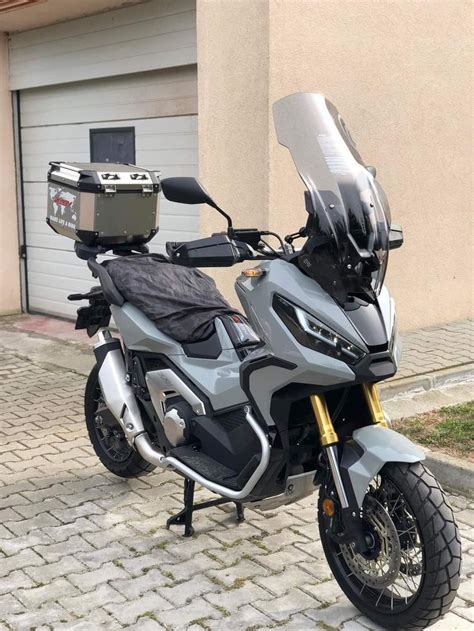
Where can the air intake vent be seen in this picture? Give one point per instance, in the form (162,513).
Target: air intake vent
(12,5)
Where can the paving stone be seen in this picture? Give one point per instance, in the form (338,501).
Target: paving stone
(244,570)
(13,546)
(326,592)
(232,599)
(279,561)
(23,527)
(334,615)
(10,604)
(145,623)
(279,584)
(246,617)
(67,515)
(466,590)
(133,587)
(156,559)
(100,597)
(52,591)
(452,622)
(86,581)
(197,565)
(17,579)
(24,559)
(128,613)
(298,622)
(32,620)
(95,558)
(56,551)
(287,605)
(47,573)
(183,617)
(465,612)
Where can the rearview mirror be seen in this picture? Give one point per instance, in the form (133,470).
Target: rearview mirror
(395,237)
(187,190)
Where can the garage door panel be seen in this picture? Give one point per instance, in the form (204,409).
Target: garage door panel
(175,83)
(165,143)
(110,37)
(178,124)
(178,106)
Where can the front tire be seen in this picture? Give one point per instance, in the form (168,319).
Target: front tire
(414,576)
(107,437)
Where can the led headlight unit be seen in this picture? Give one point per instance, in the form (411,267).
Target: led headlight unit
(312,333)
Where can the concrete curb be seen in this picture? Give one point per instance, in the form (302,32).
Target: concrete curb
(425,382)
(453,473)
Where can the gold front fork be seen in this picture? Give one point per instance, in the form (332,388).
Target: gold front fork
(327,432)
(373,402)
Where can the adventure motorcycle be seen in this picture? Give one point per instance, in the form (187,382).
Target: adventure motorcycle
(264,409)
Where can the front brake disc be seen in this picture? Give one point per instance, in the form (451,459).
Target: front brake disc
(381,571)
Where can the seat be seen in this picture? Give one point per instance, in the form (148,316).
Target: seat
(183,302)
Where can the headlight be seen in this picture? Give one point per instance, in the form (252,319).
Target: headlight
(312,333)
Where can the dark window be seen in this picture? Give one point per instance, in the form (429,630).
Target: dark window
(113,145)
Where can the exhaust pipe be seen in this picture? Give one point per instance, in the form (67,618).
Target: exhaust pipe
(117,393)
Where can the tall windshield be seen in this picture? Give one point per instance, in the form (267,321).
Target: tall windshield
(349,214)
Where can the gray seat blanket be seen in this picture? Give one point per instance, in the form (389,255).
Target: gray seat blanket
(182,301)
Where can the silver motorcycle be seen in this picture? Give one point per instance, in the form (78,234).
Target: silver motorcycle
(266,408)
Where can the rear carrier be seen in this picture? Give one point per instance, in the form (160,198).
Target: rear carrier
(103,204)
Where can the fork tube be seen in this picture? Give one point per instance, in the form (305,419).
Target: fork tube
(327,434)
(329,440)
(373,402)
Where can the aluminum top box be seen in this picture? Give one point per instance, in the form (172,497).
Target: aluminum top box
(103,204)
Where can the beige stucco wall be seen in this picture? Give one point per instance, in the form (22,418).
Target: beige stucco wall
(398,72)
(233,132)
(9,261)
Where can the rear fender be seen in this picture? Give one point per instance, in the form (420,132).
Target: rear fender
(370,448)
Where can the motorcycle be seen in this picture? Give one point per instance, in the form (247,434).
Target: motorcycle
(265,409)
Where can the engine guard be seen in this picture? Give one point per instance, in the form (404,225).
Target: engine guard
(363,457)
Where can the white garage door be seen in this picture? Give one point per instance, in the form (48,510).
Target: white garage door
(161,106)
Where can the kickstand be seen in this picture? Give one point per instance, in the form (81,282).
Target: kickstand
(185,516)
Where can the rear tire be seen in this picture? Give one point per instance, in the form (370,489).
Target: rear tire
(108,439)
(424,510)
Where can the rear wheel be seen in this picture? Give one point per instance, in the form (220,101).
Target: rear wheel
(412,574)
(107,437)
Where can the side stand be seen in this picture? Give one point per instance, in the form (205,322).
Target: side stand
(185,516)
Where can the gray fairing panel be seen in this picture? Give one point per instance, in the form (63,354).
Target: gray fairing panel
(218,379)
(310,366)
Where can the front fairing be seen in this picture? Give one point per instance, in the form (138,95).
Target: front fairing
(349,221)
(371,327)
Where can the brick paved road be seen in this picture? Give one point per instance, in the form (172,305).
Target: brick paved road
(81,549)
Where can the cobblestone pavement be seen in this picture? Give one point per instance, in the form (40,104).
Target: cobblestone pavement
(436,348)
(81,549)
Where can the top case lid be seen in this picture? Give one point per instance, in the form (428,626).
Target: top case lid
(99,177)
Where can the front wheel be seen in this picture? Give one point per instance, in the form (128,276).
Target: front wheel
(412,575)
(107,437)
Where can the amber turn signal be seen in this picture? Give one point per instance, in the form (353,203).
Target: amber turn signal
(253,272)
(328,507)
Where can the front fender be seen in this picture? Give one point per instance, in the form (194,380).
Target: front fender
(366,454)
